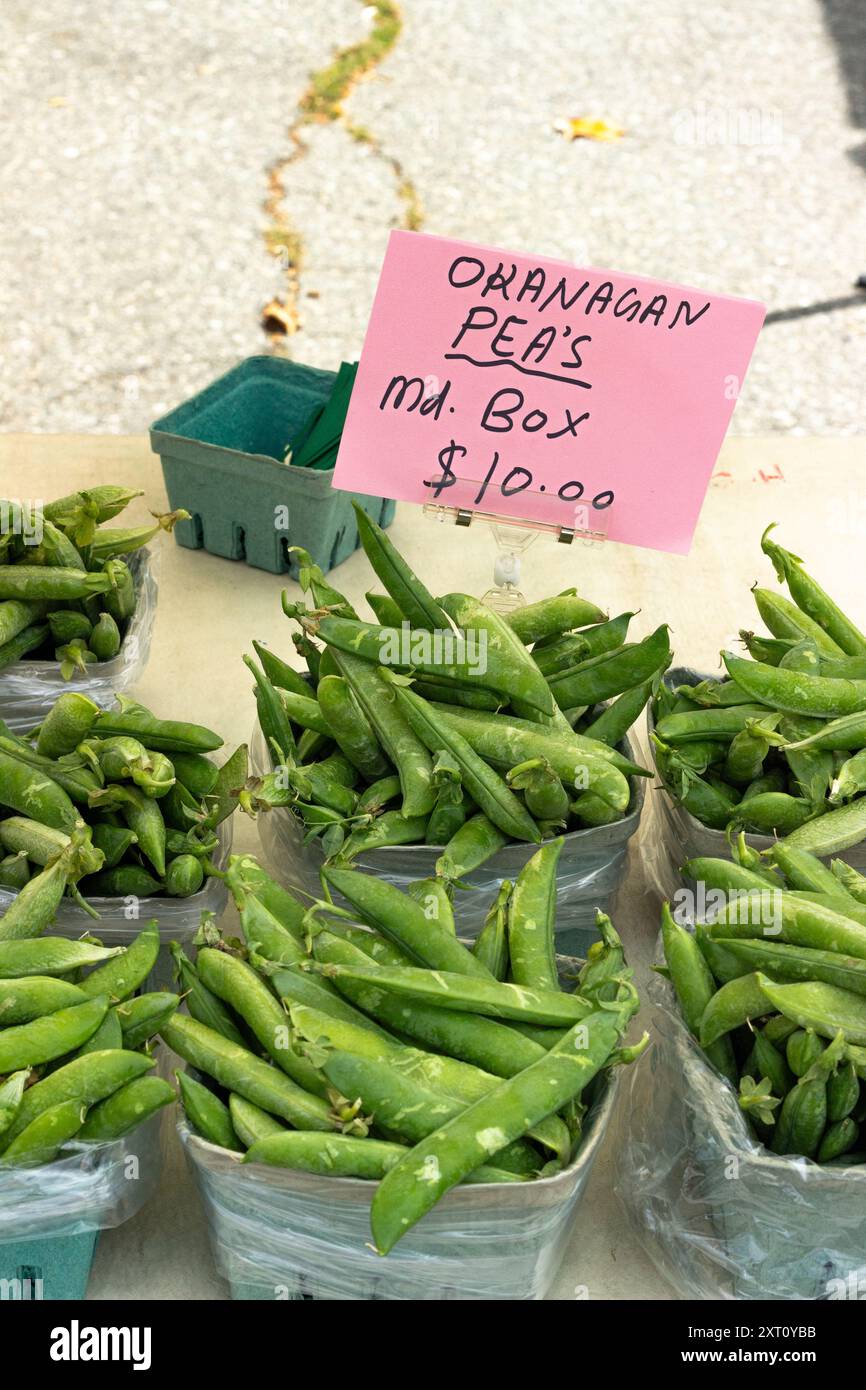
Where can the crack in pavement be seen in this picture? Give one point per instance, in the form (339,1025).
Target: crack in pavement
(322,103)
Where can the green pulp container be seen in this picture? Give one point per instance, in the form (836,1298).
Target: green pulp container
(222,454)
(56,1267)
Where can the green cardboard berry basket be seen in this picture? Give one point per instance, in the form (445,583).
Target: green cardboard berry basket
(222,455)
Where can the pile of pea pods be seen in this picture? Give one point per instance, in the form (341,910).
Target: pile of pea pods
(66,592)
(114,803)
(779,747)
(444,723)
(390,1050)
(74,1041)
(773,986)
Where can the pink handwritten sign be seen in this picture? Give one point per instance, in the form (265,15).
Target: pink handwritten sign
(538,389)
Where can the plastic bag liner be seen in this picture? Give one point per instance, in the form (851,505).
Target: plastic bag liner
(680,836)
(719,1214)
(280,1234)
(591,865)
(29,688)
(97,1186)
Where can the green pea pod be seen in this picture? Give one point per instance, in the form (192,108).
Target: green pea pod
(39,582)
(377,795)
(113,841)
(485,996)
(350,727)
(491,944)
(492,633)
(785,962)
(773,1066)
(553,616)
(125,1110)
(279,673)
(795,693)
(486,787)
(850,780)
(506,740)
(142,1018)
(613,723)
(69,772)
(825,1008)
(416,650)
(51,955)
(385,610)
(442,1160)
(844,734)
(103,503)
(543,792)
(163,735)
(732,1005)
(250,1123)
(812,599)
(790,919)
(123,881)
(14,870)
(184,876)
(789,623)
(802,656)
(66,625)
(396,916)
(86,1080)
(472,845)
(802,1119)
(748,749)
(709,804)
(28,998)
(108,1035)
(728,876)
(273,717)
(30,639)
(404,747)
(802,1050)
(36,904)
(104,640)
(11,1095)
(121,977)
(50,1036)
(244,875)
(34,794)
(238,985)
(447,816)
(239,1070)
(338,1155)
(700,724)
(120,600)
(770,650)
(851,880)
(613,672)
(203,1006)
(694,987)
(142,815)
(835,831)
(45,1136)
(531,921)
(405,588)
(772,813)
(434,897)
(38,842)
(207,1114)
(805,871)
(838,1138)
(197,773)
(843,1092)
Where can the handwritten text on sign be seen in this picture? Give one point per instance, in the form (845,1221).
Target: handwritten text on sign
(542,390)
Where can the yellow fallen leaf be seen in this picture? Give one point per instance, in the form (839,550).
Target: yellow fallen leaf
(582,128)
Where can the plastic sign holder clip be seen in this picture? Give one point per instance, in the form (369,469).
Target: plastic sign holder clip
(512,536)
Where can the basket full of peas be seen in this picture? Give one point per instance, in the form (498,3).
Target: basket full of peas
(445,739)
(777,748)
(77,599)
(760,1191)
(362,1075)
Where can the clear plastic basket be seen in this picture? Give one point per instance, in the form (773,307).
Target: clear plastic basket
(719,1214)
(283,1235)
(29,688)
(591,865)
